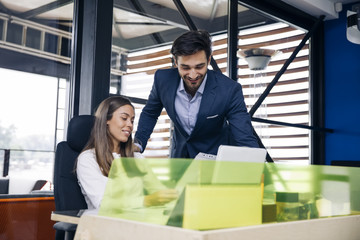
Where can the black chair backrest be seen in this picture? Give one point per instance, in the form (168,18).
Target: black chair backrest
(4,185)
(67,191)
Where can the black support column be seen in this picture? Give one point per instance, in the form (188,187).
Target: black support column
(91,55)
(232,38)
(317,95)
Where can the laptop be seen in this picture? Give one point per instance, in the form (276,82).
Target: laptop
(241,154)
(239,165)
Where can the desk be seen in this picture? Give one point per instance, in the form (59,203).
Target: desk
(65,216)
(26,216)
(332,191)
(91,226)
(98,227)
(71,216)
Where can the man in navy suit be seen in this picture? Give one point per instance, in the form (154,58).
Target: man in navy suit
(206,107)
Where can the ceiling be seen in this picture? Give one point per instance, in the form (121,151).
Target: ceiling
(317,8)
(153,22)
(144,22)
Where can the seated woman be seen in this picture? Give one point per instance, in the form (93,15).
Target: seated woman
(111,139)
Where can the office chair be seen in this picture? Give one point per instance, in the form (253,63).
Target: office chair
(67,191)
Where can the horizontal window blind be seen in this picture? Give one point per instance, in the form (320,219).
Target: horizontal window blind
(288,101)
(137,82)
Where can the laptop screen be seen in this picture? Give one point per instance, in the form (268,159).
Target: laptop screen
(239,165)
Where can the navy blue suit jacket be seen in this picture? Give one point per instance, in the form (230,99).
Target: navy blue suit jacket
(222,117)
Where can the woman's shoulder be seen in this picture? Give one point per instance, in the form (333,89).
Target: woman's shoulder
(88,152)
(86,155)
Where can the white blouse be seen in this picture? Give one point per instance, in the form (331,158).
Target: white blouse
(93,183)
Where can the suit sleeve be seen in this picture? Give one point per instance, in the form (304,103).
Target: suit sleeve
(149,116)
(239,120)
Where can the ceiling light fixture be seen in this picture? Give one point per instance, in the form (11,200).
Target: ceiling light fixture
(257,58)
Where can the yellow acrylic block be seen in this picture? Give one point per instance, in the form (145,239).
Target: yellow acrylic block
(222,206)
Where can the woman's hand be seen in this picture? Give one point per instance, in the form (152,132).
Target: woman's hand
(160,198)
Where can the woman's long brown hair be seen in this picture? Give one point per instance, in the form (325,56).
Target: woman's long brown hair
(101,141)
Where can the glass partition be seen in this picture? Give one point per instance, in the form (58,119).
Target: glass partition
(222,194)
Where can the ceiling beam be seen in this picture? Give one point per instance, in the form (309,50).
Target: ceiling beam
(119,4)
(189,22)
(142,23)
(44,8)
(156,36)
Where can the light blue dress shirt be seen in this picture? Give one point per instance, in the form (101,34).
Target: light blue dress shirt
(187,107)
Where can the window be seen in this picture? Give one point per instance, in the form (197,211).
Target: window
(34,94)
(27,122)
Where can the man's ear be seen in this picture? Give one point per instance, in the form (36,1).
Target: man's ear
(174,61)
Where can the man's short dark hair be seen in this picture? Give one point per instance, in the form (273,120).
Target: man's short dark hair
(192,42)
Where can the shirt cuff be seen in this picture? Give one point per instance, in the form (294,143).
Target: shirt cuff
(139,146)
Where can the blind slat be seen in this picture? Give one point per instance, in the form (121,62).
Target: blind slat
(273,42)
(149,55)
(266,33)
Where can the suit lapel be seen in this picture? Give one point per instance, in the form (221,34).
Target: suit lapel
(207,100)
(170,93)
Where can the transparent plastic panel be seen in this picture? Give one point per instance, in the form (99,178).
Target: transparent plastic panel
(221,194)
